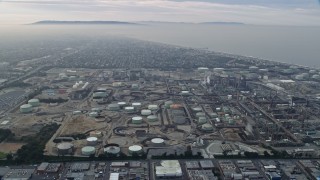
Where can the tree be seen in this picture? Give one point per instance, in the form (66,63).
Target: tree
(9,157)
(266,154)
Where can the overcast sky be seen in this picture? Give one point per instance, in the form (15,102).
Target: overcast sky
(261,12)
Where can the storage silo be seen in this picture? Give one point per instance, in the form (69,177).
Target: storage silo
(34,102)
(88,150)
(145,112)
(65,148)
(92,141)
(26,108)
(135,149)
(152,118)
(136,120)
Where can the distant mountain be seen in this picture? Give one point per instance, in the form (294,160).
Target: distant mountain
(82,22)
(223,23)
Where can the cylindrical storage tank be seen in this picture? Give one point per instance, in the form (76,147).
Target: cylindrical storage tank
(229,97)
(157,141)
(113,107)
(136,105)
(65,148)
(200,114)
(122,104)
(312,71)
(207,127)
(26,108)
(76,112)
(152,118)
(99,94)
(113,150)
(135,149)
(231,121)
(145,112)
(218,69)
(129,109)
(167,104)
(135,87)
(202,120)
(315,76)
(92,141)
(185,93)
(88,150)
(197,109)
(34,102)
(96,109)
(136,120)
(213,115)
(93,114)
(153,107)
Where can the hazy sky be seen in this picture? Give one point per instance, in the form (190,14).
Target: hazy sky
(262,12)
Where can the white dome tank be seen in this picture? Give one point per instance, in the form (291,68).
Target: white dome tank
(129,109)
(92,141)
(136,120)
(152,118)
(153,107)
(157,141)
(88,150)
(135,149)
(145,112)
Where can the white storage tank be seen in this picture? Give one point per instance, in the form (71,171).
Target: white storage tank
(207,127)
(65,148)
(153,107)
(76,112)
(114,107)
(26,108)
(202,120)
(92,141)
(93,114)
(136,105)
(197,109)
(135,149)
(145,112)
(157,141)
(200,114)
(88,150)
(34,102)
(152,118)
(122,104)
(136,120)
(129,109)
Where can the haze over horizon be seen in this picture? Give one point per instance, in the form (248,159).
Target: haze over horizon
(258,12)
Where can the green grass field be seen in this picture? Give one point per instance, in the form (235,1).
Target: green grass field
(2,155)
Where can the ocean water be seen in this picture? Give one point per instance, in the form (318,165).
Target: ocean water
(294,45)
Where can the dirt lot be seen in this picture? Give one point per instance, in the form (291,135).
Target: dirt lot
(81,124)
(10,147)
